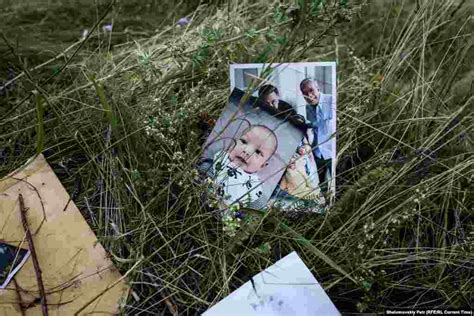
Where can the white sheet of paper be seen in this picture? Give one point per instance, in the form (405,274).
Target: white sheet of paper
(285,288)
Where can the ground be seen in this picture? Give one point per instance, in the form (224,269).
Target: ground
(121,117)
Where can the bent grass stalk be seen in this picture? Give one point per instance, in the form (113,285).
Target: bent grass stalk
(39,101)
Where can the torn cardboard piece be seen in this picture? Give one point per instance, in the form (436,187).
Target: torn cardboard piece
(75,267)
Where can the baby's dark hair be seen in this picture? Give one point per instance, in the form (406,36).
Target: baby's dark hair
(271,133)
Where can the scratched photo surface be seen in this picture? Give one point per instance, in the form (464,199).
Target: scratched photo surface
(247,151)
(304,96)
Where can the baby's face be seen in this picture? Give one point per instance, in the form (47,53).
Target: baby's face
(253,149)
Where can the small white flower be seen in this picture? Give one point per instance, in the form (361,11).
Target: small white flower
(183,22)
(84,34)
(107,28)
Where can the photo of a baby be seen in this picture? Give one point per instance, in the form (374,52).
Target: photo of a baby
(274,143)
(302,94)
(236,168)
(247,152)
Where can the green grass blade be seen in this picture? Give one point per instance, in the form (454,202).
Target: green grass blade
(39,101)
(105,104)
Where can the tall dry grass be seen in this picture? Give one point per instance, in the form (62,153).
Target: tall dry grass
(122,126)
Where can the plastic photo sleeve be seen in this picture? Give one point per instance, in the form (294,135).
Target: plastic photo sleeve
(11,260)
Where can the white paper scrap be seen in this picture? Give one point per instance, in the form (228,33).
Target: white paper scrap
(285,288)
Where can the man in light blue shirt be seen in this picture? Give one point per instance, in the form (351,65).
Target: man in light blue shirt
(319,114)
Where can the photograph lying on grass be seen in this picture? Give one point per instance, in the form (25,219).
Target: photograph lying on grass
(303,94)
(116,101)
(285,288)
(11,260)
(246,152)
